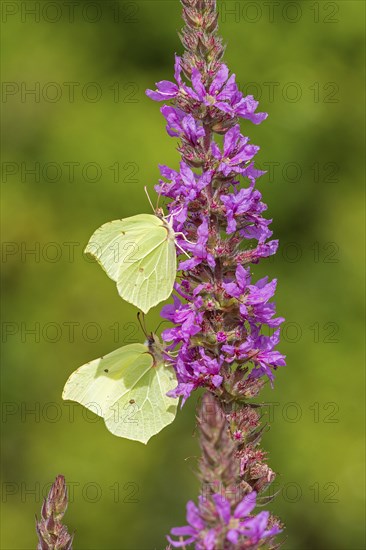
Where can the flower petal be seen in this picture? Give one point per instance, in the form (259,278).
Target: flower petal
(246,505)
(223,507)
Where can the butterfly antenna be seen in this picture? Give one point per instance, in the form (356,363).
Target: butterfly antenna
(141,320)
(158,200)
(159,325)
(148,198)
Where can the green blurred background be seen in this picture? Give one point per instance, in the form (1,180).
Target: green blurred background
(93,140)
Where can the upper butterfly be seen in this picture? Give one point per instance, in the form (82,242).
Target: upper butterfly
(139,254)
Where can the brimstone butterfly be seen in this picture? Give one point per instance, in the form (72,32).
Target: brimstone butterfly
(128,389)
(139,254)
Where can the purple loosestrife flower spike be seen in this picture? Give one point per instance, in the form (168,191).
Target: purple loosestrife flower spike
(220,315)
(52,534)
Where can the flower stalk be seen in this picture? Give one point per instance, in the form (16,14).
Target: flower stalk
(52,534)
(220,316)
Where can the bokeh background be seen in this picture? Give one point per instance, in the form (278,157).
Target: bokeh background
(78,151)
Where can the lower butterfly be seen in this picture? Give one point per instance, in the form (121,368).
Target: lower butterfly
(139,254)
(127,388)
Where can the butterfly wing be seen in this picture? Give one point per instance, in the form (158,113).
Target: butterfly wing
(144,408)
(113,242)
(97,385)
(148,278)
(128,389)
(139,254)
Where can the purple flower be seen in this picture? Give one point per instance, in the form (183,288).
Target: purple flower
(195,370)
(263,314)
(234,522)
(261,292)
(198,249)
(252,173)
(236,153)
(261,251)
(245,107)
(170,311)
(184,185)
(167,90)
(241,202)
(182,125)
(188,321)
(253,298)
(236,289)
(258,349)
(221,337)
(264,250)
(237,526)
(256,528)
(192,531)
(219,90)
(224,94)
(266,358)
(256,227)
(192,184)
(219,316)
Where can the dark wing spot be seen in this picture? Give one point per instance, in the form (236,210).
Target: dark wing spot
(132,401)
(123,232)
(141,269)
(106,370)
